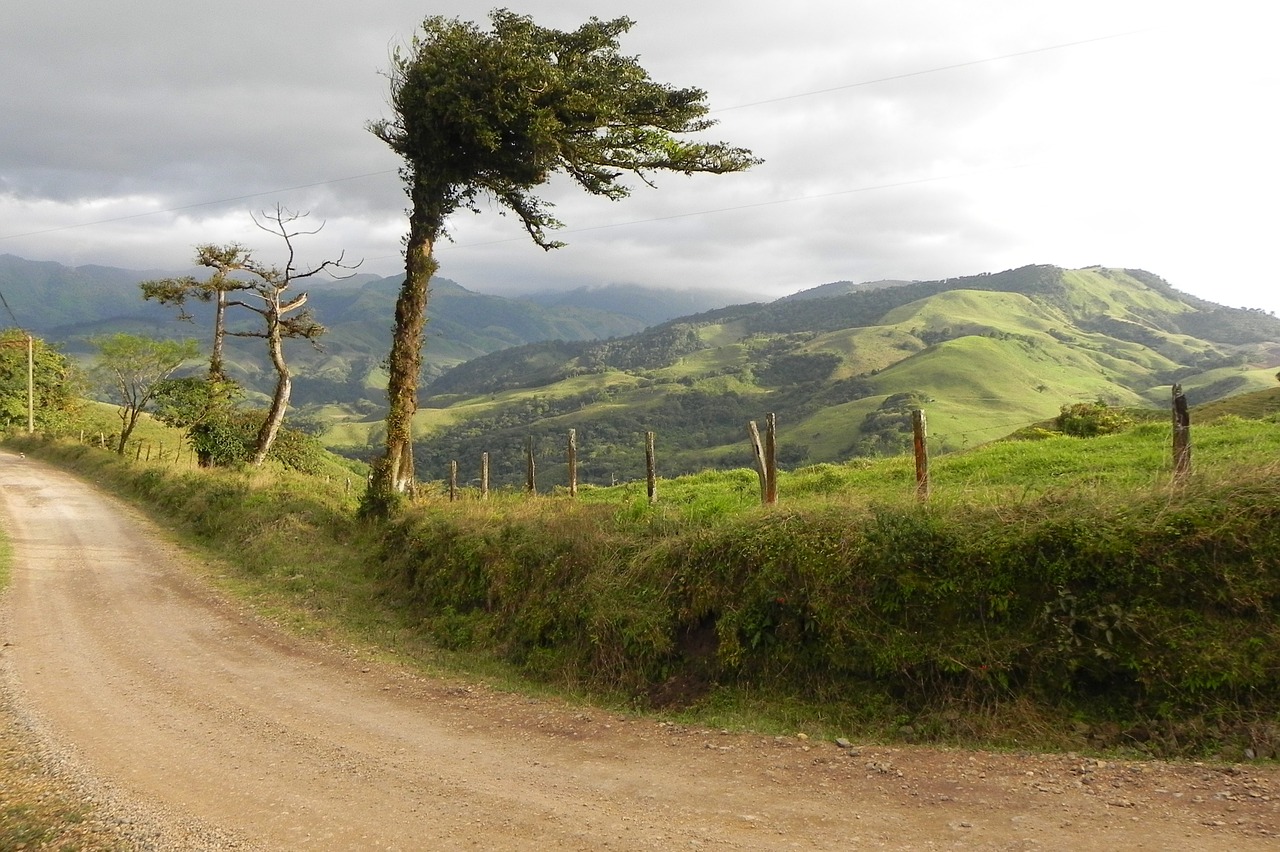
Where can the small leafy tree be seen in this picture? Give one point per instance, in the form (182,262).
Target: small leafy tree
(495,114)
(131,368)
(56,390)
(203,407)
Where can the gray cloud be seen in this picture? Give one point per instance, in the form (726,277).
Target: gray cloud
(1146,149)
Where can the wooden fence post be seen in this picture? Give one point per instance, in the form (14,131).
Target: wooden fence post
(920,434)
(138,455)
(484,476)
(757,449)
(453,481)
(1181,437)
(651,466)
(531,479)
(573,462)
(771,459)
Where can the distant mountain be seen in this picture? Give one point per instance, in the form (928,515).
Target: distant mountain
(69,305)
(841,288)
(983,355)
(645,304)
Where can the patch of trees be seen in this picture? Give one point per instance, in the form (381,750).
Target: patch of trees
(1239,326)
(793,368)
(1090,419)
(539,364)
(887,430)
(1122,329)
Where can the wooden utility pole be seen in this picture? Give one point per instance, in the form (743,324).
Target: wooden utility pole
(531,470)
(573,462)
(31,385)
(1181,437)
(651,466)
(920,435)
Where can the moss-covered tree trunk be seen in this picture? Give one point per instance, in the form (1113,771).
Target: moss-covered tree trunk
(216,371)
(393,473)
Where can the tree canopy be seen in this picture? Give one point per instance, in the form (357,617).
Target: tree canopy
(132,368)
(496,113)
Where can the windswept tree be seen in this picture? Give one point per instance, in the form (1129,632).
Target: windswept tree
(132,370)
(494,114)
(225,261)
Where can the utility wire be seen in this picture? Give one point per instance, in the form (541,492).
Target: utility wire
(9,311)
(937,70)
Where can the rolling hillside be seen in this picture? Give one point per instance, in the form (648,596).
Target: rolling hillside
(983,355)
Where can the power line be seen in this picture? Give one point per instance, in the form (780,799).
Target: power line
(939,69)
(9,311)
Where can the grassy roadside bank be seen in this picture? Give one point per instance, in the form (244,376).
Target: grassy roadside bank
(1056,595)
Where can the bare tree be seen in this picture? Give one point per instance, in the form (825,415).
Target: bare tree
(267,294)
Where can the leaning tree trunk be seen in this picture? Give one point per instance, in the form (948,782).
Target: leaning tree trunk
(279,401)
(216,372)
(393,473)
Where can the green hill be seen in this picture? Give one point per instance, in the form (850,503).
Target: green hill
(983,355)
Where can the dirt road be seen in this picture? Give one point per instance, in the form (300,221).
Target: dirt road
(225,733)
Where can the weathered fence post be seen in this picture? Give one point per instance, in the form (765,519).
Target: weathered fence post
(757,449)
(1181,437)
(920,434)
(573,462)
(530,479)
(770,459)
(484,476)
(453,481)
(138,456)
(651,466)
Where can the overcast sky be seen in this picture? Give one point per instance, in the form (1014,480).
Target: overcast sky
(911,139)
